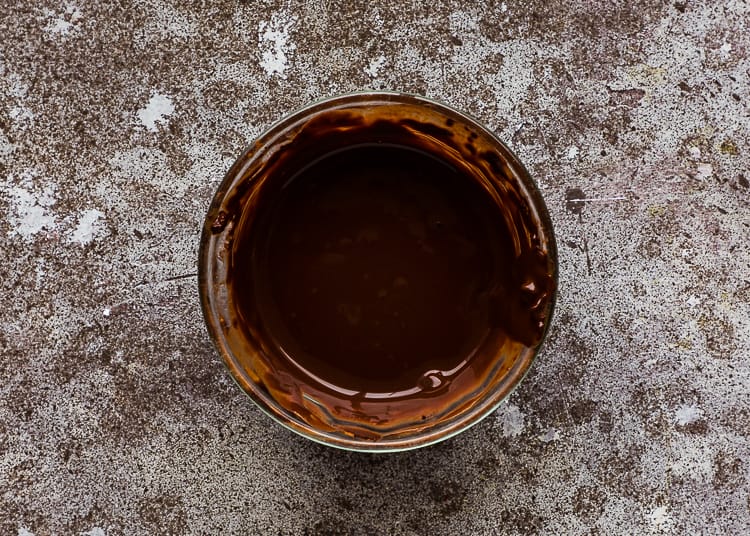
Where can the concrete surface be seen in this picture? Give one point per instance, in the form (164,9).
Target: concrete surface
(118,120)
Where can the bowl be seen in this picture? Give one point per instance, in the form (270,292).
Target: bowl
(378,271)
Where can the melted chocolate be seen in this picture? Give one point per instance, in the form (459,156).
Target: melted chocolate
(386,269)
(374,268)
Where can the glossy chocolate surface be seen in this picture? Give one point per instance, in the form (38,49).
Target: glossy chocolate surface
(374,269)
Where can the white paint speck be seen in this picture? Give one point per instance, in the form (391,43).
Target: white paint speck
(704,171)
(73,12)
(118,359)
(6,147)
(572,153)
(21,115)
(88,227)
(375,65)
(503,7)
(156,111)
(64,22)
(695,152)
(95,531)
(660,517)
(692,301)
(107,311)
(30,209)
(40,273)
(687,414)
(725,49)
(23,531)
(59,26)
(274,44)
(511,419)
(18,88)
(551,434)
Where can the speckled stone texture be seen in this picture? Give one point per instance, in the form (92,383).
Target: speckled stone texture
(118,119)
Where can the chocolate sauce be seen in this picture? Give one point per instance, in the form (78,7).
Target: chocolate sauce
(385,270)
(374,267)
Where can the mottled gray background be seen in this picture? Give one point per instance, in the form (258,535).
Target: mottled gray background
(117,122)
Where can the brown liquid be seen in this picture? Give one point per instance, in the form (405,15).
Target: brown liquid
(382,282)
(374,268)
